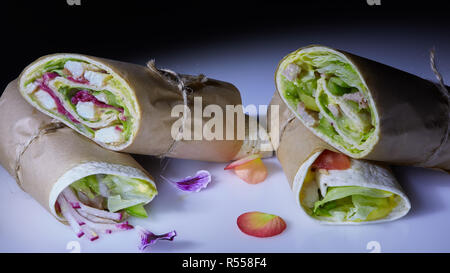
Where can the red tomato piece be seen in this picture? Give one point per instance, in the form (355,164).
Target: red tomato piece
(332,161)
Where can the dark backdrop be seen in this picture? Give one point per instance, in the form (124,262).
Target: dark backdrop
(122,29)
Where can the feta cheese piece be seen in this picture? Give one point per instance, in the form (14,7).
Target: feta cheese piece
(307,118)
(45,99)
(86,110)
(291,71)
(102,97)
(95,78)
(31,87)
(108,135)
(75,68)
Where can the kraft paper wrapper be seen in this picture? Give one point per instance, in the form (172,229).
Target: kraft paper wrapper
(297,150)
(413,115)
(39,153)
(297,143)
(156,95)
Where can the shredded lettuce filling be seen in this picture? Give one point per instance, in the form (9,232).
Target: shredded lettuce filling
(116,193)
(332,93)
(353,203)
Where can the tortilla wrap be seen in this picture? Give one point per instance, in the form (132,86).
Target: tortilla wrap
(130,108)
(298,150)
(366,109)
(46,157)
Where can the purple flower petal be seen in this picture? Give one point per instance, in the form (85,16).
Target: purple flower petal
(193,184)
(149,239)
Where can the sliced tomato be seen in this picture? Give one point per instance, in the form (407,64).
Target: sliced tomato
(332,161)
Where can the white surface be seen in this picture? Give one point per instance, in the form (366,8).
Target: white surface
(206,221)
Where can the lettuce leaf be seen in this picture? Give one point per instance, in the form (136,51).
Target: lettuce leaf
(87,185)
(127,192)
(116,203)
(356,124)
(82,186)
(353,203)
(301,90)
(137,211)
(326,128)
(290,92)
(338,87)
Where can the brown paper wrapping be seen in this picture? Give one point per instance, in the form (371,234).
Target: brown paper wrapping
(297,143)
(413,115)
(156,95)
(37,152)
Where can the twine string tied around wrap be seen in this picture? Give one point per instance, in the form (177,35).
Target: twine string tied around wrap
(444,91)
(181,82)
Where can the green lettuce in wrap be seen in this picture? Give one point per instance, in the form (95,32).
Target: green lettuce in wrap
(329,96)
(331,187)
(115,193)
(334,188)
(136,109)
(353,203)
(366,109)
(99,203)
(88,96)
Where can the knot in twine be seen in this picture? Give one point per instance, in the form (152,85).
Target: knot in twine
(181,82)
(444,91)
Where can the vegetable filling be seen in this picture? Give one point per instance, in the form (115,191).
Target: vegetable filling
(329,96)
(84,95)
(97,203)
(342,203)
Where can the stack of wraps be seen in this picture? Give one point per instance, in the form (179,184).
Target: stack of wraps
(131,108)
(365,109)
(47,159)
(361,192)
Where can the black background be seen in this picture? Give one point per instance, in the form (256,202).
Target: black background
(120,29)
(279,262)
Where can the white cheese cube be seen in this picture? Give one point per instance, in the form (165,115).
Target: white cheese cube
(45,99)
(86,110)
(75,68)
(108,135)
(102,97)
(95,78)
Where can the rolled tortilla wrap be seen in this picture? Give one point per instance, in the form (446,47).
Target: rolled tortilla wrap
(127,107)
(365,109)
(363,192)
(47,158)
